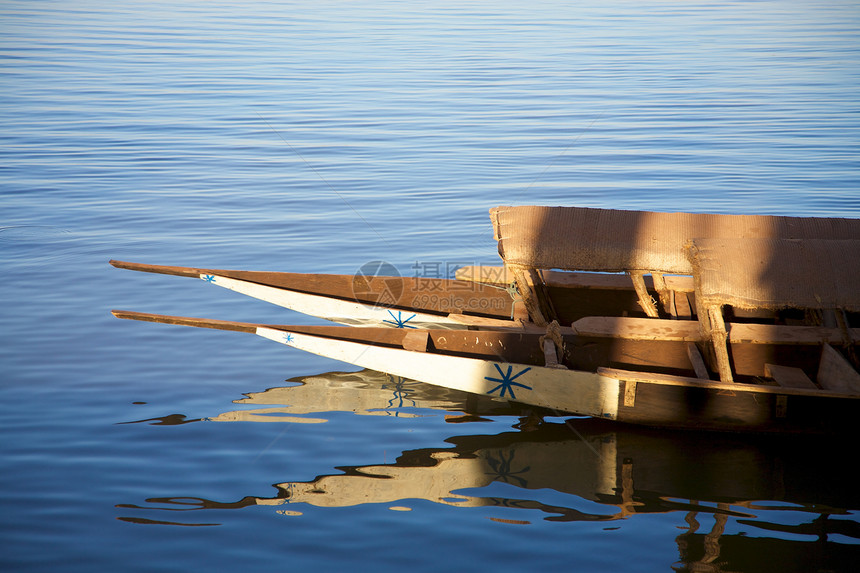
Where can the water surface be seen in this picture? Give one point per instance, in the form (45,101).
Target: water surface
(315,137)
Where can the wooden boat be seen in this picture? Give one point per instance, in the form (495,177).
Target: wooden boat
(764,304)
(360,300)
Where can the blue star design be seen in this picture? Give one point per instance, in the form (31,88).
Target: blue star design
(209,278)
(506,382)
(401,392)
(288,337)
(398,321)
(503,469)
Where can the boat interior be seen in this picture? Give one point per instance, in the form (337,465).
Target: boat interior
(735,298)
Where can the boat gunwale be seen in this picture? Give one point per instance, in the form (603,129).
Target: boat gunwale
(670,380)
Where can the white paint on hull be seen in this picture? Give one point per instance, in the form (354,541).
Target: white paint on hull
(335,310)
(569,391)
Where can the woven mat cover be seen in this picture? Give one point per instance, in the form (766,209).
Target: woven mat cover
(609,240)
(768,273)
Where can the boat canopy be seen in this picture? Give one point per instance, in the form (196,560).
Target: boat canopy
(777,273)
(609,240)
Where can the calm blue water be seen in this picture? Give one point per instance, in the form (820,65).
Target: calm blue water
(314,137)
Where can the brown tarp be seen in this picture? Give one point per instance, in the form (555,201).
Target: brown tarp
(767,273)
(608,240)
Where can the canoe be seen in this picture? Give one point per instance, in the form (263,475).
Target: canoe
(509,365)
(756,328)
(478,297)
(359,300)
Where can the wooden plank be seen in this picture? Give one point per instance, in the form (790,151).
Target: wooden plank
(610,281)
(696,360)
(589,353)
(482,322)
(550,355)
(667,297)
(187,321)
(749,359)
(430,295)
(788,376)
(719,338)
(416,340)
(630,393)
(631,328)
(781,334)
(683,309)
(836,373)
(669,380)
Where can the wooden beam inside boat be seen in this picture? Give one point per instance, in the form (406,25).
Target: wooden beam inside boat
(571,279)
(836,373)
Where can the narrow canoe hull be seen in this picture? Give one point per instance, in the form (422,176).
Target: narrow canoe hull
(474,301)
(359,300)
(638,398)
(625,396)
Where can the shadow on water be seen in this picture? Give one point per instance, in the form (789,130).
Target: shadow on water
(739,501)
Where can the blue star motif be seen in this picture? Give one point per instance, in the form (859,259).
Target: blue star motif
(288,338)
(503,470)
(398,321)
(401,392)
(506,382)
(209,278)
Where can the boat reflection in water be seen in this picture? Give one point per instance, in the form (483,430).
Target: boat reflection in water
(366,392)
(793,498)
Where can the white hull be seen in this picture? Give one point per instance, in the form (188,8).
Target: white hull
(333,309)
(568,391)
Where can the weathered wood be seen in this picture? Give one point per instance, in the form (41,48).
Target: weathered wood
(590,353)
(482,322)
(697,361)
(688,330)
(416,294)
(186,321)
(534,295)
(836,373)
(580,280)
(782,334)
(572,304)
(416,340)
(649,378)
(645,299)
(610,240)
(630,393)
(550,356)
(690,403)
(749,359)
(587,350)
(666,296)
(638,328)
(788,377)
(683,308)
(719,338)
